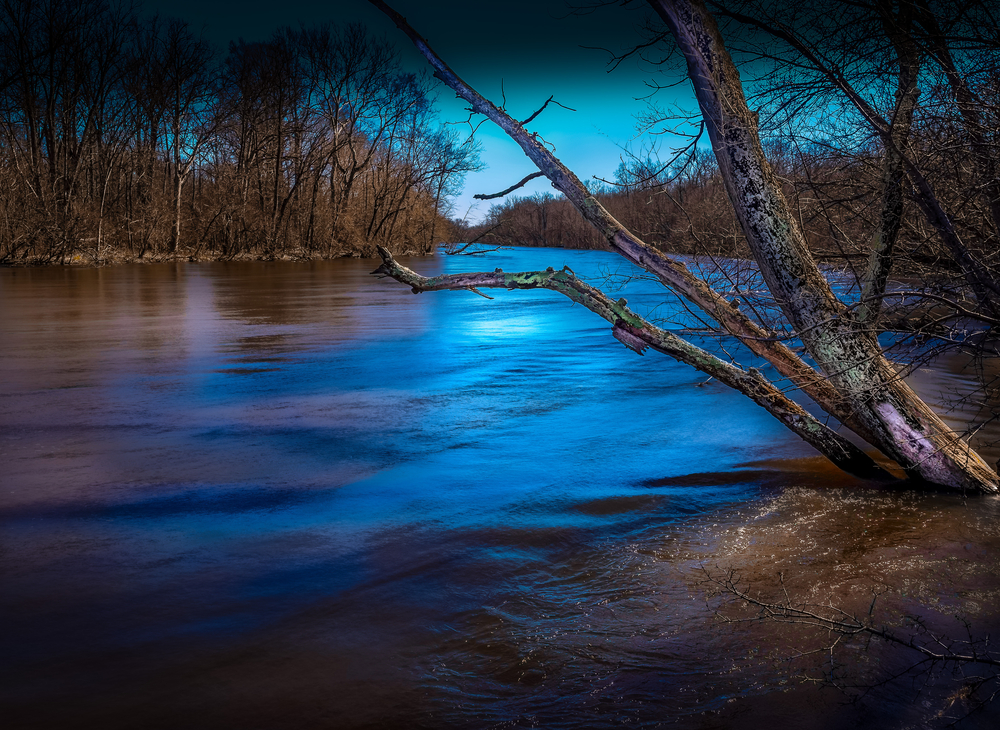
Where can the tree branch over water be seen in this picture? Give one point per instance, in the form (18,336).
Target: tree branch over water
(853,381)
(673,274)
(637,334)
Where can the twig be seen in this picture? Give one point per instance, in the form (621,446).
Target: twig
(547,102)
(512,188)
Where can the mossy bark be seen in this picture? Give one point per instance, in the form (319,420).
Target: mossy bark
(857,385)
(895,420)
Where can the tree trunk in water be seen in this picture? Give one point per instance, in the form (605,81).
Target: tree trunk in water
(899,423)
(857,386)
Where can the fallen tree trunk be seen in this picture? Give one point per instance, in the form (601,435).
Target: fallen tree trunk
(857,385)
(637,334)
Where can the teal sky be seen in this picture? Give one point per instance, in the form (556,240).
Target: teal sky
(534,48)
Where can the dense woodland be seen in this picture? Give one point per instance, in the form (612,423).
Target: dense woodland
(125,137)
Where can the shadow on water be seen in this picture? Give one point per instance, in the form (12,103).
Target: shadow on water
(261,495)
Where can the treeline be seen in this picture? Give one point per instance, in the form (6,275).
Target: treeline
(683,208)
(680,213)
(124,137)
(882,123)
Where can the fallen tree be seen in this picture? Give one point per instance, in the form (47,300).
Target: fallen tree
(853,381)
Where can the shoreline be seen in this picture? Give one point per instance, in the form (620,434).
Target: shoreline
(92,260)
(87,261)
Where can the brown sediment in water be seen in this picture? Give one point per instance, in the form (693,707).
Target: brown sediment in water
(924,567)
(245,495)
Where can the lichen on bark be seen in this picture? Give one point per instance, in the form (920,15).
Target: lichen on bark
(854,384)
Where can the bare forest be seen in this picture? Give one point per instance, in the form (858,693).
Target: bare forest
(827,83)
(127,138)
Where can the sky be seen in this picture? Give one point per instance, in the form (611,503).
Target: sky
(529,49)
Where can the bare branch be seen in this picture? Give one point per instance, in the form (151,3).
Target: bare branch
(842,623)
(636,333)
(524,181)
(550,100)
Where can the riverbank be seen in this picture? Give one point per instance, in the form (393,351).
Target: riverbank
(92,259)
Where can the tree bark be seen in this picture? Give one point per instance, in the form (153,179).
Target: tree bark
(903,426)
(858,386)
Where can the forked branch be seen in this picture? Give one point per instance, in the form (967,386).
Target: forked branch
(550,100)
(637,334)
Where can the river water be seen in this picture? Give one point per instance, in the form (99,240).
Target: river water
(271,495)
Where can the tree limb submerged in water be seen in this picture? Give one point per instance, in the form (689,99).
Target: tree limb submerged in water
(637,334)
(974,656)
(854,382)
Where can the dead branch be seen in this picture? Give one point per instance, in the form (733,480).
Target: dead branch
(847,625)
(512,188)
(550,100)
(637,334)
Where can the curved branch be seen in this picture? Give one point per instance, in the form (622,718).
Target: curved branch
(637,334)
(551,100)
(524,181)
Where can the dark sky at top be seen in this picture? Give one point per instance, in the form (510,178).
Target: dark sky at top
(535,48)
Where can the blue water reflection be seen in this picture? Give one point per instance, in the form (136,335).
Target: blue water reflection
(261,494)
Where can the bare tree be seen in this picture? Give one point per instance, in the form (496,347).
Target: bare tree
(188,87)
(853,383)
(832,57)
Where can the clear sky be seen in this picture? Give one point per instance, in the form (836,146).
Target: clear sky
(535,48)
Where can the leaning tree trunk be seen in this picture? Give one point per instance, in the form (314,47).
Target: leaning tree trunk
(896,420)
(857,386)
(898,29)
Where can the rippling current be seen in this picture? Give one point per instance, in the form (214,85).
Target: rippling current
(290,495)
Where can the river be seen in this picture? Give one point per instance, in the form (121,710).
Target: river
(276,495)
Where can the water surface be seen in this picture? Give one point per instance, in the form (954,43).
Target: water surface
(293,495)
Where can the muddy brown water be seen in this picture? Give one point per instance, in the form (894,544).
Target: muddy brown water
(291,495)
